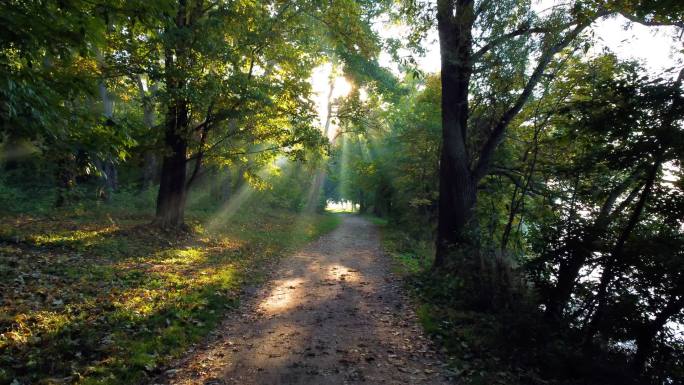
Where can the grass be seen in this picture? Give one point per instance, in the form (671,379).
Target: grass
(411,256)
(96,296)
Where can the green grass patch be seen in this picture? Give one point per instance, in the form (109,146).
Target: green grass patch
(411,256)
(100,297)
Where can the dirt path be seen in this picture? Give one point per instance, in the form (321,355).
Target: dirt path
(331,314)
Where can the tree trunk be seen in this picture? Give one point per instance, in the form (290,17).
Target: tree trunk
(109,179)
(363,206)
(457,198)
(66,179)
(172,185)
(172,192)
(108,173)
(149,171)
(329,103)
(567,276)
(644,342)
(150,164)
(457,188)
(106,165)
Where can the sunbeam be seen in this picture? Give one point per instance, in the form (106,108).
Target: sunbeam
(242,195)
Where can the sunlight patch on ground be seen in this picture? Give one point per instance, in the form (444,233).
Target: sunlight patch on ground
(138,303)
(187,256)
(282,297)
(343,273)
(77,237)
(28,328)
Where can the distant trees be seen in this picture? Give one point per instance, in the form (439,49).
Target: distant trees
(386,160)
(50,78)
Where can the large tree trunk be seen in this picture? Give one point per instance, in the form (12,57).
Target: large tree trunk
(457,198)
(172,185)
(457,187)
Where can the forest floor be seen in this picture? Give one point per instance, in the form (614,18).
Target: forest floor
(332,313)
(95,295)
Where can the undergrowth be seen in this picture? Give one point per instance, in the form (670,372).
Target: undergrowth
(512,345)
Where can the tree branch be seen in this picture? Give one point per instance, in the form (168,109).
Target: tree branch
(219,141)
(651,23)
(527,189)
(522,30)
(198,158)
(200,151)
(497,134)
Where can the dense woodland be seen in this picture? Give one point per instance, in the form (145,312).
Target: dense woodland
(531,190)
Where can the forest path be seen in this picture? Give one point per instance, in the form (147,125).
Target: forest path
(332,313)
